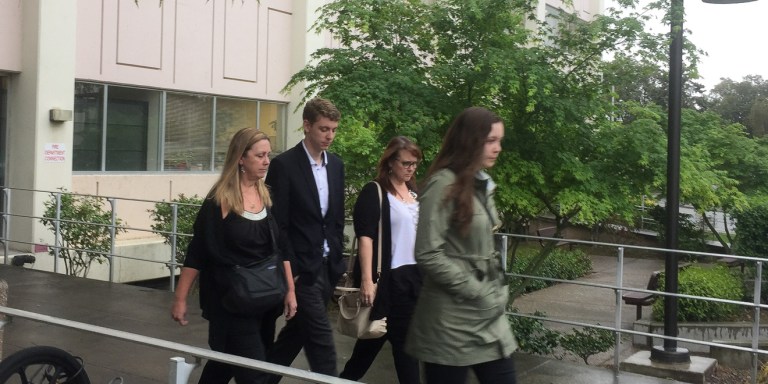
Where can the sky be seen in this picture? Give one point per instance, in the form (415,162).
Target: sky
(735,36)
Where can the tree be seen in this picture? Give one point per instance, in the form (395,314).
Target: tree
(734,100)
(84,230)
(407,67)
(757,121)
(632,77)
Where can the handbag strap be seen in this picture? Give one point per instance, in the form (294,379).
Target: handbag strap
(353,255)
(381,218)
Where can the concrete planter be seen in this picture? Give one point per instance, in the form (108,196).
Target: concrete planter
(729,334)
(710,332)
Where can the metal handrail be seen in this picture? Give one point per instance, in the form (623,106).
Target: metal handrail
(618,288)
(179,347)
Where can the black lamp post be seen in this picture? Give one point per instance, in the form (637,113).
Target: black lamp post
(670,353)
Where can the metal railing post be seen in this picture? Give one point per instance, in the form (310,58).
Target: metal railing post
(180,370)
(3,302)
(113,224)
(6,208)
(756,323)
(504,250)
(57,242)
(617,323)
(174,222)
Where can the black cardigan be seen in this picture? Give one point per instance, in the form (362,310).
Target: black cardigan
(366,221)
(209,248)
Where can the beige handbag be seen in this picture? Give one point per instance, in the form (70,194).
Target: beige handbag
(354,318)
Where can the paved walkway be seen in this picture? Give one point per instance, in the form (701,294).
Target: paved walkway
(145,311)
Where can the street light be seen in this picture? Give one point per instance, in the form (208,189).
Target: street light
(670,353)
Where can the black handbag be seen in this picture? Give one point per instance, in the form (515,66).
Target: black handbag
(254,288)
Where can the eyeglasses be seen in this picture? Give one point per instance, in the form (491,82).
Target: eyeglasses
(408,164)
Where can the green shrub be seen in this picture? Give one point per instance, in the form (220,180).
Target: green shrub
(532,336)
(751,227)
(84,229)
(587,342)
(716,282)
(186,213)
(560,264)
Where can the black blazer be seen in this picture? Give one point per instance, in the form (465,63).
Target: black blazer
(296,207)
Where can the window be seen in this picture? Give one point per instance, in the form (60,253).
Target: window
(147,130)
(271,117)
(231,116)
(557,22)
(188,131)
(86,151)
(126,140)
(133,126)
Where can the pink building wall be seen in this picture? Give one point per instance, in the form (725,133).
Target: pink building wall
(10,35)
(220,47)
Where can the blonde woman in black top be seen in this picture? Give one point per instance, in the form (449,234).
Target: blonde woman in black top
(233,228)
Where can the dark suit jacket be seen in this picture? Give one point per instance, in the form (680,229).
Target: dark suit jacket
(296,207)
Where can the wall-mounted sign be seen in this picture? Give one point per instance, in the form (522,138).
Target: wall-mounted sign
(54,153)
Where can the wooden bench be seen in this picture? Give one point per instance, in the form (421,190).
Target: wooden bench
(642,299)
(550,232)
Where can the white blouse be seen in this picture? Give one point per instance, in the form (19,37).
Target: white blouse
(403,218)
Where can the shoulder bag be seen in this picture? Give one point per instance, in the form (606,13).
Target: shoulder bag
(354,318)
(254,288)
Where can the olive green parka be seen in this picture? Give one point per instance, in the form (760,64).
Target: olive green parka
(459,318)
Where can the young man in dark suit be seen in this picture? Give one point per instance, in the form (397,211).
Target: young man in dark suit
(307,186)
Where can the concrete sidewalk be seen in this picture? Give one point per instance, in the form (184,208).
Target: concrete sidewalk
(145,311)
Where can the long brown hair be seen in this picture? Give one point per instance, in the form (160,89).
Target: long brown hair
(395,145)
(462,152)
(226,190)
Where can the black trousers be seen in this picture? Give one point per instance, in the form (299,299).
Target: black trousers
(403,297)
(309,329)
(500,371)
(242,336)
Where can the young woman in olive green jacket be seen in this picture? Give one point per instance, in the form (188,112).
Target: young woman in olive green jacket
(459,323)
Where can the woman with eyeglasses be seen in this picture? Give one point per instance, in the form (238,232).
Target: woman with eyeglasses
(459,323)
(393,294)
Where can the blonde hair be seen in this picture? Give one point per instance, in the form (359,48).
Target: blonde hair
(226,190)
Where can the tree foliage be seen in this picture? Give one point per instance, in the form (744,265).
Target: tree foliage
(742,102)
(407,67)
(585,137)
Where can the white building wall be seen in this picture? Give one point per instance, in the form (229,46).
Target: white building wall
(585,9)
(301,50)
(46,82)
